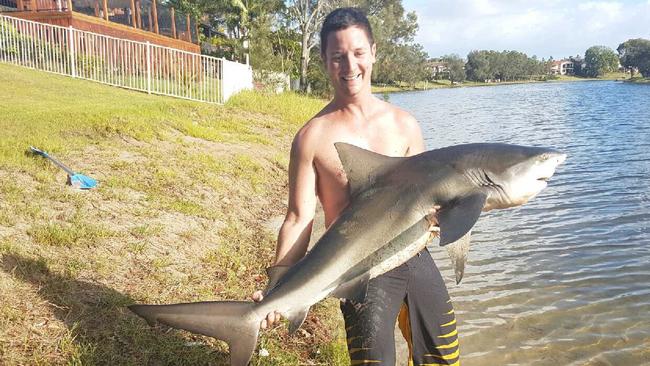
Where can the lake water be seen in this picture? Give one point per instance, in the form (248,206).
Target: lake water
(565,279)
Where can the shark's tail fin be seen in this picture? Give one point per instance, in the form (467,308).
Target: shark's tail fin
(231,321)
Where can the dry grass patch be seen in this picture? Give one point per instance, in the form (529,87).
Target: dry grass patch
(63,234)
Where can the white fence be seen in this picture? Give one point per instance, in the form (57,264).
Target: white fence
(128,64)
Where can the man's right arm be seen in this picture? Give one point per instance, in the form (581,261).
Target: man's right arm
(295,231)
(293,238)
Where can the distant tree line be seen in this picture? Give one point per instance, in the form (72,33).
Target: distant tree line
(503,66)
(484,65)
(633,55)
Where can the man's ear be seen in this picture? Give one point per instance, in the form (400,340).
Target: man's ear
(373,52)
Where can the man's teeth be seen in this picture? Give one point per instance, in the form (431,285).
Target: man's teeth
(348,78)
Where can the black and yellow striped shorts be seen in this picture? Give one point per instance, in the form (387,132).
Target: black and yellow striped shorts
(415,294)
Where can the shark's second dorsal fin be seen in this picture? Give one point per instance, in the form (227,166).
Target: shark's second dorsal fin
(362,166)
(296,318)
(354,290)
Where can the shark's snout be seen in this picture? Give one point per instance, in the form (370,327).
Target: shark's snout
(559,158)
(549,162)
(553,157)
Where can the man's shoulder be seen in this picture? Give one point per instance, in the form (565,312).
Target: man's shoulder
(397,115)
(309,136)
(313,128)
(319,124)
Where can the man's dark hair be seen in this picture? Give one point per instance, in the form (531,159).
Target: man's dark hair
(343,18)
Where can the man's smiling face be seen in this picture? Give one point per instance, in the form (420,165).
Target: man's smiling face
(348,58)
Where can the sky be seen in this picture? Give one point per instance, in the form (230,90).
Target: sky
(542,28)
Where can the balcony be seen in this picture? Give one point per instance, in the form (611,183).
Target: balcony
(137,20)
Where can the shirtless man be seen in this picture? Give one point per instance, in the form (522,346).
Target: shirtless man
(415,290)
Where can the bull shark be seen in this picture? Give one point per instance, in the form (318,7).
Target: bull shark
(384,225)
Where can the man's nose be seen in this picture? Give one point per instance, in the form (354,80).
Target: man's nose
(348,63)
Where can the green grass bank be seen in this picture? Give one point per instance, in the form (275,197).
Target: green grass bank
(181,214)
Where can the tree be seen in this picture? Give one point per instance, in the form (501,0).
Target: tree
(235,18)
(274,46)
(394,30)
(412,63)
(600,60)
(515,65)
(455,68)
(317,76)
(635,53)
(478,66)
(309,15)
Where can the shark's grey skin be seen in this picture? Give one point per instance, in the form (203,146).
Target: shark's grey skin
(384,225)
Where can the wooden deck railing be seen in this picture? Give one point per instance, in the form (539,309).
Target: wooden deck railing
(146,15)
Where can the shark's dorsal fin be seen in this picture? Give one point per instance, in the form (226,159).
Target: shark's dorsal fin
(362,166)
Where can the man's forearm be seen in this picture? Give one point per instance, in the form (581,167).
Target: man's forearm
(293,240)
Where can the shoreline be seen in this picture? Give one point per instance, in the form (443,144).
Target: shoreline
(377,89)
(638,80)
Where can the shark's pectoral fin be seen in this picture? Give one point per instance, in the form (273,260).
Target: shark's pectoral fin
(458,253)
(296,318)
(354,290)
(458,220)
